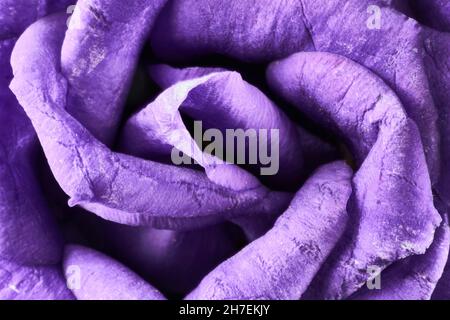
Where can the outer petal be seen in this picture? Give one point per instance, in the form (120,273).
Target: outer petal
(416,277)
(102,278)
(17,15)
(99,56)
(115,186)
(392,204)
(224,101)
(173,261)
(281,264)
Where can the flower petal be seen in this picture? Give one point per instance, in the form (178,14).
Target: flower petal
(98,58)
(392,204)
(166,76)
(281,264)
(173,261)
(434,13)
(17,15)
(437,60)
(416,277)
(28,232)
(102,278)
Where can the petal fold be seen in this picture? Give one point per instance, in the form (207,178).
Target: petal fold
(282,263)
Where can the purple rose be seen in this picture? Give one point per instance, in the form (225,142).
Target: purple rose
(203,149)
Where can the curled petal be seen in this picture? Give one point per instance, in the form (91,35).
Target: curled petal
(392,204)
(94,276)
(221,100)
(17,15)
(18,282)
(98,58)
(281,264)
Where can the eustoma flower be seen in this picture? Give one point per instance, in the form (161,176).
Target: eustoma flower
(340,111)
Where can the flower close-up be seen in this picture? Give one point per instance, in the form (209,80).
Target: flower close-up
(224,149)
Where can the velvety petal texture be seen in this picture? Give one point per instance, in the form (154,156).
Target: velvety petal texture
(435,13)
(392,205)
(81,168)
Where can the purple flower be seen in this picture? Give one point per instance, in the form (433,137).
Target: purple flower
(323,151)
